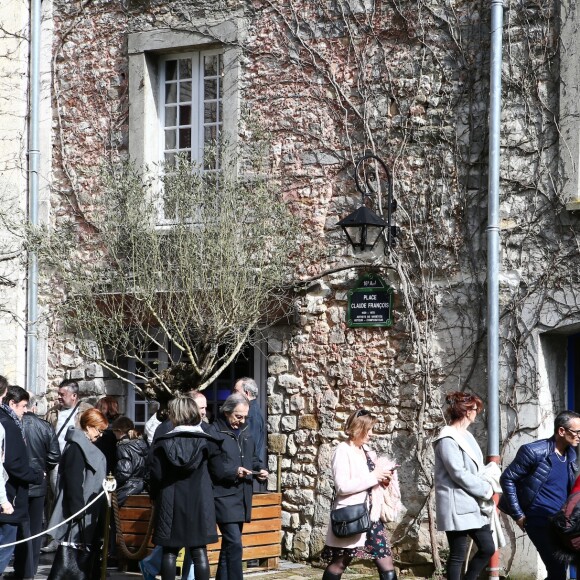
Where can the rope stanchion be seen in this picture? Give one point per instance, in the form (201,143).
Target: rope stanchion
(109,485)
(95,499)
(142,550)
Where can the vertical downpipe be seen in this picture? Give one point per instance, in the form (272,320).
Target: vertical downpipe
(33,169)
(493,427)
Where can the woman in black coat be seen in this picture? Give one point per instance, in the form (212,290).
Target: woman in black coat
(181,488)
(232,466)
(132,451)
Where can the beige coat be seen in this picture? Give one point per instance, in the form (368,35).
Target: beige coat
(352,480)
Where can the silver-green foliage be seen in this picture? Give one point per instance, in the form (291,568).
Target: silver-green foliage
(197,286)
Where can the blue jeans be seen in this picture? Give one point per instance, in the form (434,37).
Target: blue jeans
(7,534)
(544,543)
(152,564)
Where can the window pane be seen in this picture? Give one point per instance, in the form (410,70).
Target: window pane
(171,93)
(170,116)
(209,135)
(169,159)
(211,65)
(185,115)
(185,68)
(185,91)
(140,413)
(210,89)
(185,138)
(212,156)
(210,113)
(170,139)
(170,70)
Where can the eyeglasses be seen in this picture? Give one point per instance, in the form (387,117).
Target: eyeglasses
(362,413)
(575,432)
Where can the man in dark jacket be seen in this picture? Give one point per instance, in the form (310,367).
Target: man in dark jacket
(20,472)
(256,423)
(537,483)
(232,466)
(44,454)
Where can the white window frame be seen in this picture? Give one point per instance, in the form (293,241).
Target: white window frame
(146,52)
(260,375)
(197,116)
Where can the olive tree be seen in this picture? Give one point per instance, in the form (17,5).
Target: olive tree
(198,285)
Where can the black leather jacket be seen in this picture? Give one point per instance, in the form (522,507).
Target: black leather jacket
(131,469)
(43,449)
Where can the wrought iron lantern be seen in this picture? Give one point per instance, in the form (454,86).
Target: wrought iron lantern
(364,227)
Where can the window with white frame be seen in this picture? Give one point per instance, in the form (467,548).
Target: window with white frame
(191,113)
(191,106)
(184,97)
(250,362)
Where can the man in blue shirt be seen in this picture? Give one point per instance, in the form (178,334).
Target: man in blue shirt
(537,483)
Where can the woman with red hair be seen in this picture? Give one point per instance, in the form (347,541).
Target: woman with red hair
(82,469)
(460,487)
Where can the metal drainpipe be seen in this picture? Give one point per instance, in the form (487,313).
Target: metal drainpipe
(33,168)
(493,427)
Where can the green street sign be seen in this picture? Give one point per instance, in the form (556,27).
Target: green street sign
(370,303)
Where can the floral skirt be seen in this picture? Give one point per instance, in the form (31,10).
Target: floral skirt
(376,546)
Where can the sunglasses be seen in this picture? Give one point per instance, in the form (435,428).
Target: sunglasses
(362,413)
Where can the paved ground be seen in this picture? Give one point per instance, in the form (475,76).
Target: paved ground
(287,571)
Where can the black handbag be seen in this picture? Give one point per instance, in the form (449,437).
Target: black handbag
(350,520)
(73,561)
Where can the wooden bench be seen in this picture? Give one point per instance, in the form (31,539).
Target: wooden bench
(261,537)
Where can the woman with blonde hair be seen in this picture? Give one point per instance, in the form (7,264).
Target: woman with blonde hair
(182,490)
(357,480)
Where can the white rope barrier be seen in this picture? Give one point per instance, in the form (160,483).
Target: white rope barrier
(108,488)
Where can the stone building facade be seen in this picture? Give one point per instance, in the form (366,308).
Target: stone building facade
(331,80)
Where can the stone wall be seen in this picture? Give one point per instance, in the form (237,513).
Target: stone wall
(329,81)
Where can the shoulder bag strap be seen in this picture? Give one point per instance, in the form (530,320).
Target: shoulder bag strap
(67,420)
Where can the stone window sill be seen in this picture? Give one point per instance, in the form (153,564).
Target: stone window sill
(573,205)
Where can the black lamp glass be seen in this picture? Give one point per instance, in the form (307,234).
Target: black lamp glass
(363,228)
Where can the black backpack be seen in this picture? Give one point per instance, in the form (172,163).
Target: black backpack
(566,527)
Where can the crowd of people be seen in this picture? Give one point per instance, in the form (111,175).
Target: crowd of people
(54,468)
(539,487)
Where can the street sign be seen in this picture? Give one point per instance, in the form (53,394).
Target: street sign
(370,303)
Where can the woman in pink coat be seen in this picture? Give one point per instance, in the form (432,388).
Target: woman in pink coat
(356,480)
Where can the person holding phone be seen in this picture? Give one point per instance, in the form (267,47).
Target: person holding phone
(232,465)
(460,488)
(359,478)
